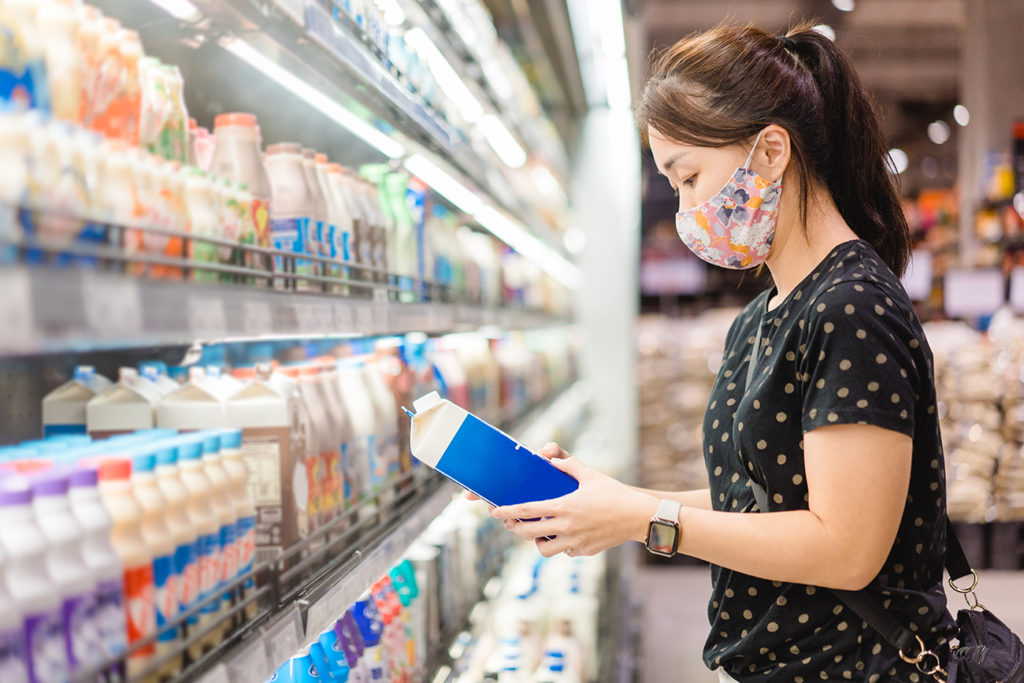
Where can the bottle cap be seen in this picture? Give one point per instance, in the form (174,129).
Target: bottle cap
(115,469)
(235,119)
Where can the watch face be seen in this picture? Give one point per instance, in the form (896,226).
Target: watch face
(662,538)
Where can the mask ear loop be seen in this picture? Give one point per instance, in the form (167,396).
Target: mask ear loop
(750,157)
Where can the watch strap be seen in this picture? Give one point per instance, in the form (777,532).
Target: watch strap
(668,511)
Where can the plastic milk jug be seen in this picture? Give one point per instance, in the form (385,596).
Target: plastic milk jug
(186,562)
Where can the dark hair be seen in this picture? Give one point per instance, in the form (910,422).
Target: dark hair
(722,86)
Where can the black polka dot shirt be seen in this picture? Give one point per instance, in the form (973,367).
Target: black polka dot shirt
(845,347)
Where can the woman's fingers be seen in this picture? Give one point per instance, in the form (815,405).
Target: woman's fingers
(552,450)
(530,530)
(550,548)
(542,508)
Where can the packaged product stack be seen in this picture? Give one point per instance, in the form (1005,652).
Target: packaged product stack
(676,366)
(1007,335)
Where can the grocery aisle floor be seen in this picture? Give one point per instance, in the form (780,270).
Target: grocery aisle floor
(675,607)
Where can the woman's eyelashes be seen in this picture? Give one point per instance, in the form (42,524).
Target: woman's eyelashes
(689,182)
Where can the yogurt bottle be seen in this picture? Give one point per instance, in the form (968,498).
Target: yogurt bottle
(202,221)
(291,216)
(227,515)
(135,554)
(168,480)
(236,156)
(100,557)
(64,560)
(245,510)
(59,24)
(341,429)
(336,220)
(13,656)
(345,220)
(207,525)
(371,627)
(162,545)
(28,580)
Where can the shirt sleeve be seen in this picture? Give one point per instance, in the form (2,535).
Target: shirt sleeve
(855,364)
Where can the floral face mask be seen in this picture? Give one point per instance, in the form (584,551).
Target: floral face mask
(734,229)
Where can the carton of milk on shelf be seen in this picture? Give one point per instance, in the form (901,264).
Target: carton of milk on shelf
(197,404)
(123,407)
(482,458)
(64,407)
(274,435)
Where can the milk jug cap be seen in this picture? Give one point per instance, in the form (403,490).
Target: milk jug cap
(211,443)
(84,476)
(115,469)
(143,462)
(190,448)
(15,491)
(235,119)
(84,373)
(231,438)
(166,454)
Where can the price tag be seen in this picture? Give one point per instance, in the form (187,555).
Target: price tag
(283,637)
(206,316)
(364,318)
(113,305)
(344,318)
(218,674)
(321,615)
(305,316)
(381,308)
(250,663)
(16,318)
(257,317)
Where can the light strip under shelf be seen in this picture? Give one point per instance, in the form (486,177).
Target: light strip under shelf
(314,97)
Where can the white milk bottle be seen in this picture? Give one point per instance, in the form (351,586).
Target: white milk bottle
(13,656)
(135,555)
(122,407)
(340,429)
(387,410)
(224,506)
(245,510)
(324,448)
(345,227)
(290,215)
(64,560)
(274,435)
(64,407)
(360,457)
(338,220)
(161,544)
(320,236)
(100,557)
(207,525)
(168,479)
(236,156)
(29,582)
(197,404)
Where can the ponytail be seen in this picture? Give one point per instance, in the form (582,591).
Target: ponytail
(721,87)
(856,170)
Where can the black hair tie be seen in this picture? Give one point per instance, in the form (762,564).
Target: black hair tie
(787,43)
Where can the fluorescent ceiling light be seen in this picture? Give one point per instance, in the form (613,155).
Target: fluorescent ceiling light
(317,99)
(450,82)
(607,19)
(502,141)
(515,235)
(179,9)
(600,39)
(444,184)
(617,82)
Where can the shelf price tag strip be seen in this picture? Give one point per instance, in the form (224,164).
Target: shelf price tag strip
(113,306)
(333,604)
(16,318)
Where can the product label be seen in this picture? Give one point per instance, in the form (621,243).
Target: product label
(58,430)
(81,635)
(209,569)
(271,456)
(165,595)
(186,569)
(378,464)
(291,234)
(229,553)
(13,663)
(44,643)
(110,617)
(140,610)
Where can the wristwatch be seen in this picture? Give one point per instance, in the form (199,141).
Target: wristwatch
(663,532)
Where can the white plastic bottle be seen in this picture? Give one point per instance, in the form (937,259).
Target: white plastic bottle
(29,582)
(245,509)
(207,525)
(227,515)
(64,560)
(135,555)
(100,557)
(290,216)
(175,494)
(13,657)
(161,544)
(360,458)
(554,670)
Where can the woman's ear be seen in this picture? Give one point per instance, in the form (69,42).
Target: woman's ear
(774,152)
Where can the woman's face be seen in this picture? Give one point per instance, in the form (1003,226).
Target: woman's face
(696,174)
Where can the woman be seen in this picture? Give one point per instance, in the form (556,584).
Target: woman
(777,158)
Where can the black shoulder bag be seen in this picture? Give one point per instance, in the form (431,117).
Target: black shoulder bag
(987,651)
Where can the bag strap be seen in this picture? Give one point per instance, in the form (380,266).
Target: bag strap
(861,602)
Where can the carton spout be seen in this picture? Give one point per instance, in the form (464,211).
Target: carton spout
(426,402)
(408,412)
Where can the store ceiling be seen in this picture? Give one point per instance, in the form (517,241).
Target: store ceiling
(906,51)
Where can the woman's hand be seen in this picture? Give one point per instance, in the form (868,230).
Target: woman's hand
(600,514)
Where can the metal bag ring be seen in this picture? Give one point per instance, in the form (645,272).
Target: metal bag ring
(930,670)
(952,584)
(920,652)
